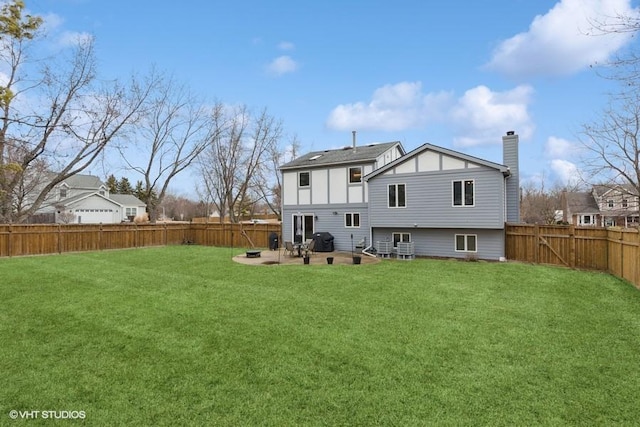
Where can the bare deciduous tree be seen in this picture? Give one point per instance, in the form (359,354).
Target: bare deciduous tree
(611,148)
(268,180)
(58,115)
(539,204)
(172,132)
(238,158)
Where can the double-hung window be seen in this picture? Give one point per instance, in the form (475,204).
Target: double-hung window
(397,196)
(464,193)
(352,220)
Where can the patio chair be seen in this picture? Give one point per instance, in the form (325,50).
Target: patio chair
(288,248)
(311,246)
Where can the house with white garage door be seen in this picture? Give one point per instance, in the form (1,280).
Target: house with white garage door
(85,199)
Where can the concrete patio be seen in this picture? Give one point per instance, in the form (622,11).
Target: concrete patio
(268,257)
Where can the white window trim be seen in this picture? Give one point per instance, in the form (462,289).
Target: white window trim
(463,198)
(352,221)
(592,219)
(349,175)
(466,243)
(401,233)
(405,196)
(304,186)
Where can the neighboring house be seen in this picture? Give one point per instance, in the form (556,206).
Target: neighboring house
(447,203)
(580,209)
(618,205)
(604,206)
(325,191)
(84,199)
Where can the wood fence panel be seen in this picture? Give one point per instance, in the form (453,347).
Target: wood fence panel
(5,237)
(117,236)
(614,242)
(616,251)
(591,248)
(79,237)
(629,250)
(521,243)
(554,246)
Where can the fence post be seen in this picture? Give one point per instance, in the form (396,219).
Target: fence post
(59,239)
(536,244)
(572,246)
(9,245)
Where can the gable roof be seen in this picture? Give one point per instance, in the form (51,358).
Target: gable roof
(361,154)
(78,197)
(601,190)
(451,153)
(127,199)
(581,203)
(83,181)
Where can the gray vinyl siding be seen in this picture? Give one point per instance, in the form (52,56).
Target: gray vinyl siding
(441,242)
(429,200)
(328,222)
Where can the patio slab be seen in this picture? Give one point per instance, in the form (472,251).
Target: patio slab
(268,257)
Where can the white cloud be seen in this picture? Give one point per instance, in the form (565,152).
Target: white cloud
(559,148)
(282,65)
(481,114)
(561,42)
(52,22)
(70,38)
(392,108)
(286,46)
(566,171)
(476,118)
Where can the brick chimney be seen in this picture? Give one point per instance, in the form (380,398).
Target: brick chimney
(510,159)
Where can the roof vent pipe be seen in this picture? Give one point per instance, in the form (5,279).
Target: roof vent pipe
(353,132)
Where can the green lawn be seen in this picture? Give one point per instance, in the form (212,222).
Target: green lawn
(184,336)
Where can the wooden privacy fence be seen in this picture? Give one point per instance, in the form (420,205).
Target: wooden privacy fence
(614,250)
(28,239)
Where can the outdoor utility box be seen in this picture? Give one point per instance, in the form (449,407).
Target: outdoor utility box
(324,242)
(273,242)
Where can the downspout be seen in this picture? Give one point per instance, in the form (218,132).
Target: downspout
(365,250)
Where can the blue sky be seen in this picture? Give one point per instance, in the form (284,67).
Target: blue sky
(458,74)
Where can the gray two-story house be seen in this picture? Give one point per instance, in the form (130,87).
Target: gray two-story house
(448,204)
(325,191)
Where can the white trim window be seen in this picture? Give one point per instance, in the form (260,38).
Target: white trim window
(355,175)
(586,220)
(352,220)
(131,211)
(304,179)
(400,237)
(463,192)
(466,242)
(397,195)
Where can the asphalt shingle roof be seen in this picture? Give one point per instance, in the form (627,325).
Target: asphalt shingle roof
(361,154)
(582,202)
(126,199)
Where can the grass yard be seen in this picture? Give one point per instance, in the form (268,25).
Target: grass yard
(184,336)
